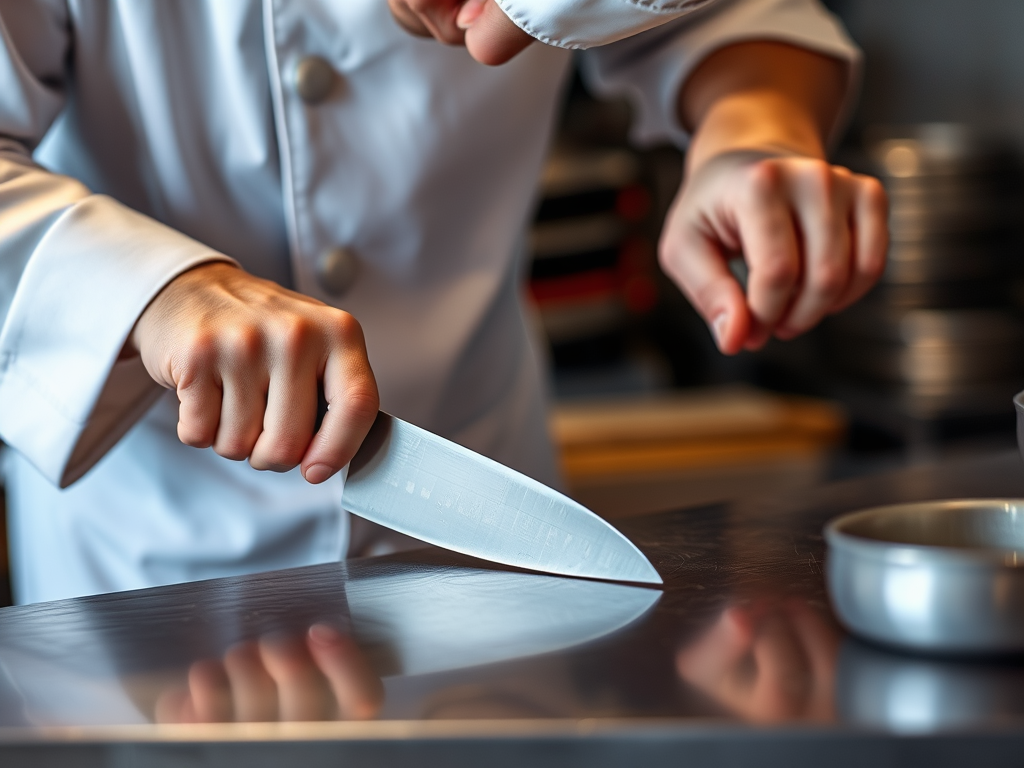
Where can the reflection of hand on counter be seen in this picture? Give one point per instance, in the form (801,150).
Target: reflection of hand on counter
(767,662)
(322,676)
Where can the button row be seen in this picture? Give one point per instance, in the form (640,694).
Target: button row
(336,268)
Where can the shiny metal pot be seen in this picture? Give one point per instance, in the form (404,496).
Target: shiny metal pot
(939,576)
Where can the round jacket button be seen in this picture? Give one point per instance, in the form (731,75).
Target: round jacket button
(336,270)
(314,79)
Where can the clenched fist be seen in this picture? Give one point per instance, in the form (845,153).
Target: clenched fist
(813,237)
(488,34)
(758,187)
(247,359)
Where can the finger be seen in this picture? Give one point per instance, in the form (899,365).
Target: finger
(782,689)
(408,20)
(819,638)
(769,244)
(357,689)
(492,37)
(174,706)
(822,200)
(351,393)
(820,641)
(199,409)
(711,661)
(288,421)
(254,693)
(871,238)
(439,16)
(244,385)
(241,418)
(210,692)
(697,264)
(301,689)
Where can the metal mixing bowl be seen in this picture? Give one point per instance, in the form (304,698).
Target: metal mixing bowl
(940,576)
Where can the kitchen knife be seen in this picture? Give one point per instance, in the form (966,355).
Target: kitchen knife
(432,489)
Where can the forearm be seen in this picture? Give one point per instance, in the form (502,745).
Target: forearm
(76,270)
(758,187)
(761,96)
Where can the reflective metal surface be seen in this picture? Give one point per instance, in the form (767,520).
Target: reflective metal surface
(432,489)
(433,658)
(936,575)
(1018,406)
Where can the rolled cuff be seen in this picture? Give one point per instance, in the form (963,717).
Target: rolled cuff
(589,23)
(64,397)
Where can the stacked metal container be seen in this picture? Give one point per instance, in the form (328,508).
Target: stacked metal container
(941,336)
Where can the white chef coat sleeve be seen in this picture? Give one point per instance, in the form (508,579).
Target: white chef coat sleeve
(76,271)
(586,23)
(650,68)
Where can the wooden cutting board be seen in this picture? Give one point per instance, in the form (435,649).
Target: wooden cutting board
(691,429)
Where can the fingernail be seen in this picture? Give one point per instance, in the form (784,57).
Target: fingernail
(321,634)
(317,473)
(469,13)
(718,327)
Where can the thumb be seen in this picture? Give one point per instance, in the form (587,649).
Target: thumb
(492,38)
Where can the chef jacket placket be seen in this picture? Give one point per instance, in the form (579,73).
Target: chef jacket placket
(305,47)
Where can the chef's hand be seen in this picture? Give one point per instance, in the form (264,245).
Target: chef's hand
(246,358)
(767,662)
(323,676)
(488,34)
(757,187)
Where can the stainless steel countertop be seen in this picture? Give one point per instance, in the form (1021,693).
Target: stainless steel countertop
(436,658)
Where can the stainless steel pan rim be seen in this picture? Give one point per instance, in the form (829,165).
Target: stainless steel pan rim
(841,533)
(1018,403)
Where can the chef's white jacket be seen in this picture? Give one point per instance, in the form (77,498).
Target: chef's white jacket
(139,138)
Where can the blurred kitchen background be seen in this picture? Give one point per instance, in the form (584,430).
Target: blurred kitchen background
(649,415)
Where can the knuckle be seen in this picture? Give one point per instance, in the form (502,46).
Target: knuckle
(229,454)
(345,330)
(874,265)
(764,179)
(285,453)
(820,175)
(194,359)
(294,336)
(829,280)
(667,256)
(194,435)
(242,345)
(842,173)
(277,460)
(875,193)
(706,298)
(362,401)
(778,273)
(233,449)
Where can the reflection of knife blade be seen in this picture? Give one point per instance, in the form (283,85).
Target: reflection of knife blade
(417,483)
(416,617)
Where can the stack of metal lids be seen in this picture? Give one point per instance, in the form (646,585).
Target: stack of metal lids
(941,328)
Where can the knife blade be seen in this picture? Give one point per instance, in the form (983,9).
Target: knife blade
(417,483)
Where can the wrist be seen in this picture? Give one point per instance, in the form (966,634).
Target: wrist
(761,121)
(173,295)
